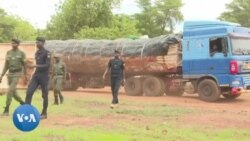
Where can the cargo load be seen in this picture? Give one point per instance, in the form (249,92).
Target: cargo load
(157,55)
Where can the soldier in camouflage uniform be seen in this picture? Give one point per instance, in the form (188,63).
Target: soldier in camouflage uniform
(58,75)
(15,64)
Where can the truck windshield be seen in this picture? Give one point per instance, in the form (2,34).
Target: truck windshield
(240,46)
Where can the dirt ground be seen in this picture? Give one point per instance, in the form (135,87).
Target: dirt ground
(222,114)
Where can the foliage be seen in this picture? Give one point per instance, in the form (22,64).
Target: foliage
(24,30)
(73,15)
(237,11)
(122,26)
(15,27)
(158,17)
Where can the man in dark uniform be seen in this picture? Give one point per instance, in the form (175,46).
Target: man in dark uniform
(40,76)
(15,65)
(117,76)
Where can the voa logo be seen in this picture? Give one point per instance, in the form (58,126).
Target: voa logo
(26,118)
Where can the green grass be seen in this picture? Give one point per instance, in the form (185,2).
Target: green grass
(90,119)
(70,134)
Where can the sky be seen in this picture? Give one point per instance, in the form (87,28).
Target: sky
(38,12)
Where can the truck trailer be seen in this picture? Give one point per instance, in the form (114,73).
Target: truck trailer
(211,58)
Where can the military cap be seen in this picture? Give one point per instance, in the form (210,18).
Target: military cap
(15,41)
(41,39)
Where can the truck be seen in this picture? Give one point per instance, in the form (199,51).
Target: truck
(211,58)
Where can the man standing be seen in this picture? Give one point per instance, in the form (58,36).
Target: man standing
(15,64)
(40,76)
(59,76)
(117,75)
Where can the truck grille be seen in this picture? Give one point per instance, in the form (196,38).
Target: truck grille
(246,80)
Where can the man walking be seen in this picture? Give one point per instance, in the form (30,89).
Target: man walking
(59,76)
(117,76)
(15,64)
(40,76)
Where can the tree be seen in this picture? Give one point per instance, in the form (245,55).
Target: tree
(237,11)
(147,22)
(24,30)
(169,14)
(158,17)
(15,27)
(122,26)
(74,15)
(6,26)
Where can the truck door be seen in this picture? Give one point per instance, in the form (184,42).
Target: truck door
(218,61)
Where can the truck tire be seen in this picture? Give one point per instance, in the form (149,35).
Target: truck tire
(153,86)
(133,87)
(208,90)
(228,96)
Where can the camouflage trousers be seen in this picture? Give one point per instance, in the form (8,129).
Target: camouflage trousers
(12,92)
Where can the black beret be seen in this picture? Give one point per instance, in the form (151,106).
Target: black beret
(41,39)
(15,41)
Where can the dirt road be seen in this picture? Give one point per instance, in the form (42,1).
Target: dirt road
(187,100)
(221,114)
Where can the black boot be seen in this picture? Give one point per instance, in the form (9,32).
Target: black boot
(22,103)
(56,101)
(61,98)
(43,114)
(6,111)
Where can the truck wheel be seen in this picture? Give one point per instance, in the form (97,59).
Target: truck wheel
(153,86)
(133,87)
(228,96)
(208,90)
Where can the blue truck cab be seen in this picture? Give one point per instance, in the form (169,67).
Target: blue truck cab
(216,58)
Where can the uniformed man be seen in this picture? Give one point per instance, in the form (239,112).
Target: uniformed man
(40,76)
(117,76)
(15,64)
(59,76)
